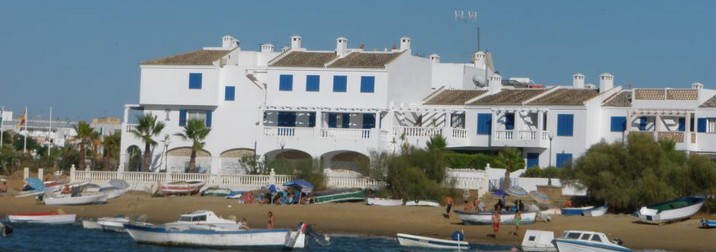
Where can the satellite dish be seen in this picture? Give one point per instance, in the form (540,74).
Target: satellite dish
(477,80)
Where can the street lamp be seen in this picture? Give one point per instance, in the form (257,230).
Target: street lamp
(549,167)
(166,148)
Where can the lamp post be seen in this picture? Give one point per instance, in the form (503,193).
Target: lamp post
(549,167)
(166,148)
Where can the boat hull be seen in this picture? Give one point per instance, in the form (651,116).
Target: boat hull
(408,240)
(595,212)
(708,223)
(190,187)
(485,218)
(79,200)
(567,245)
(427,203)
(383,202)
(538,241)
(114,224)
(666,212)
(42,218)
(339,197)
(241,239)
(569,211)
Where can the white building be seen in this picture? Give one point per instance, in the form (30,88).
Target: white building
(338,105)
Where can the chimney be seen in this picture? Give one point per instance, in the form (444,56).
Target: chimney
(404,44)
(435,58)
(267,48)
(479,59)
(229,42)
(697,85)
(578,80)
(341,46)
(606,82)
(495,84)
(295,42)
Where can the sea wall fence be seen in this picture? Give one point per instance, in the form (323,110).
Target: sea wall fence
(466,179)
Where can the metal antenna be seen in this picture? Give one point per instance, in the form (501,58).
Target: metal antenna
(466,17)
(478,38)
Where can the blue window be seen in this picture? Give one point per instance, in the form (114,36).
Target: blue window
(682,124)
(618,123)
(313,83)
(332,120)
(285,82)
(510,121)
(642,123)
(701,127)
(367,84)
(532,160)
(340,83)
(208,118)
(229,93)
(185,115)
(286,119)
(182,117)
(368,121)
(346,120)
(563,158)
(484,124)
(565,124)
(194,80)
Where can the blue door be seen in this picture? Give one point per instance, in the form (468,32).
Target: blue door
(532,160)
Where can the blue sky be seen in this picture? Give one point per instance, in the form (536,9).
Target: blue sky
(81,57)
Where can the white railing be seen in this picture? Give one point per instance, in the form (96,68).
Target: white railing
(417,131)
(545,135)
(131,127)
(504,134)
(345,133)
(459,133)
(527,135)
(353,182)
(288,131)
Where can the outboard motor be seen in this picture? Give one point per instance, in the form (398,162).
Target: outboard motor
(458,236)
(617,241)
(5,229)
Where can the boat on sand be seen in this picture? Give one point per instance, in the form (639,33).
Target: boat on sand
(574,240)
(674,210)
(56,217)
(485,218)
(408,240)
(538,241)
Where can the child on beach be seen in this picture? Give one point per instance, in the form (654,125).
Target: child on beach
(518,218)
(496,221)
(270,220)
(448,202)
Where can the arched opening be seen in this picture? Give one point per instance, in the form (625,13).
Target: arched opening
(231,162)
(134,158)
(178,160)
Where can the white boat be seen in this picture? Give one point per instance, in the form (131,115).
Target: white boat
(182,187)
(678,209)
(383,202)
(115,224)
(569,211)
(90,224)
(595,211)
(409,240)
(427,203)
(538,241)
(68,199)
(42,218)
(485,218)
(577,241)
(204,229)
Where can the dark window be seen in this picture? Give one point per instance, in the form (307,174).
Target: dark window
(313,83)
(532,160)
(195,80)
(367,84)
(368,121)
(340,83)
(510,121)
(285,82)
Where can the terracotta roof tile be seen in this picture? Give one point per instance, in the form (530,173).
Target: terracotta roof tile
(453,97)
(710,103)
(621,99)
(364,60)
(305,59)
(650,94)
(566,97)
(200,57)
(682,94)
(509,97)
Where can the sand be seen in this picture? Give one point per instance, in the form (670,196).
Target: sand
(358,218)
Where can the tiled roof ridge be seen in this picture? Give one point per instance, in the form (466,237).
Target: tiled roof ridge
(191,58)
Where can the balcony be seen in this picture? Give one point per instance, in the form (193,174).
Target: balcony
(418,135)
(318,133)
(521,138)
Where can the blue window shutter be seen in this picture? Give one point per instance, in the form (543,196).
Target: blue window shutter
(346,120)
(682,124)
(286,119)
(484,124)
(532,160)
(510,121)
(367,84)
(194,80)
(642,123)
(701,127)
(312,119)
(285,82)
(182,117)
(313,83)
(618,124)
(563,158)
(229,93)
(332,120)
(368,121)
(291,119)
(340,83)
(565,124)
(208,118)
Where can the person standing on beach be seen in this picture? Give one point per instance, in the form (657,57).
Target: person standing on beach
(448,203)
(518,218)
(270,220)
(496,221)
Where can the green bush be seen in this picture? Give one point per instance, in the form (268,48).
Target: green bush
(461,160)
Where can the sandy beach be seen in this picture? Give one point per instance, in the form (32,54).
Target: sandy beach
(358,218)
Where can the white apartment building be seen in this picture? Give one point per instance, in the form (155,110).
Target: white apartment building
(339,105)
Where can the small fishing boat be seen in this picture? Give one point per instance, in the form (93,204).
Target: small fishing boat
(57,217)
(69,199)
(427,203)
(383,202)
(216,191)
(595,211)
(90,224)
(570,211)
(516,191)
(540,198)
(182,187)
(677,209)
(706,223)
(572,240)
(485,218)
(337,196)
(114,224)
(408,240)
(538,241)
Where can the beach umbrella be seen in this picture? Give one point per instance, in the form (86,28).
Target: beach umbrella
(499,193)
(300,185)
(272,188)
(35,183)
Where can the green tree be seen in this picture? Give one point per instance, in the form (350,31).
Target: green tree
(148,127)
(252,164)
(111,145)
(85,133)
(195,131)
(311,170)
(511,159)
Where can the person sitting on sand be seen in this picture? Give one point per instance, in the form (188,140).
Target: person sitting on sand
(66,190)
(3,187)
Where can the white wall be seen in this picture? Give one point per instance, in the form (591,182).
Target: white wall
(409,80)
(169,85)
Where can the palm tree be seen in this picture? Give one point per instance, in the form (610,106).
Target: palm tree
(511,159)
(111,145)
(195,131)
(147,127)
(84,136)
(96,143)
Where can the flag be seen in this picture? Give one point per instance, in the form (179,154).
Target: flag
(22,120)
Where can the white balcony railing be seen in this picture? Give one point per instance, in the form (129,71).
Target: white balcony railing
(131,127)
(346,133)
(288,131)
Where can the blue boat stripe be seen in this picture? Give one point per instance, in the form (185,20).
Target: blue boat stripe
(160,229)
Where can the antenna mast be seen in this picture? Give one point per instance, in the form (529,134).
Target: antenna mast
(469,16)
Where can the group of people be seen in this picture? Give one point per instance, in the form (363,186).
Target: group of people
(244,223)
(475,205)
